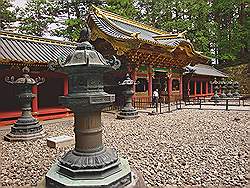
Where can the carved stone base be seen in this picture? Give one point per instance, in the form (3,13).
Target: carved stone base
(25,137)
(229,95)
(223,95)
(137,180)
(25,129)
(236,94)
(127,113)
(215,98)
(119,178)
(80,165)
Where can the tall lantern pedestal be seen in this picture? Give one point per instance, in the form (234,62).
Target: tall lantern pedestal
(128,111)
(90,163)
(26,127)
(215,98)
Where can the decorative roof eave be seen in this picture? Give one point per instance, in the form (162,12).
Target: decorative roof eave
(123,31)
(197,56)
(138,57)
(204,70)
(113,16)
(122,45)
(23,37)
(24,63)
(31,50)
(222,76)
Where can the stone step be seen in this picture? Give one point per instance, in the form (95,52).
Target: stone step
(60,141)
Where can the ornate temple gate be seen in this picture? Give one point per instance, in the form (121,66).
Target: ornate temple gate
(154,58)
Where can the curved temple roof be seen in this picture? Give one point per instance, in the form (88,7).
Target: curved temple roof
(36,51)
(201,69)
(129,34)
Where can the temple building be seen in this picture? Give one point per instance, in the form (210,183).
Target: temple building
(154,58)
(18,51)
(197,80)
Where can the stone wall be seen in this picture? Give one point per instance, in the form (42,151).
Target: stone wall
(240,73)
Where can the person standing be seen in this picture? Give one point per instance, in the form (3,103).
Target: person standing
(155,98)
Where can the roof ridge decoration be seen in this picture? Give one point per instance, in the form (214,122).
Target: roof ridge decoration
(170,36)
(116,17)
(23,37)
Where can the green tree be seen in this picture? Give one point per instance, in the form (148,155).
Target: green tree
(178,16)
(71,17)
(36,16)
(232,36)
(219,28)
(125,8)
(7,14)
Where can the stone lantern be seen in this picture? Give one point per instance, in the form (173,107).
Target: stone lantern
(128,111)
(236,86)
(215,84)
(26,127)
(90,163)
(229,88)
(223,88)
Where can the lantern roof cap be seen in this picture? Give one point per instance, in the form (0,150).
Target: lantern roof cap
(25,79)
(85,54)
(127,81)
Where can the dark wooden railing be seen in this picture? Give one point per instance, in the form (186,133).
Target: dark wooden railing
(166,106)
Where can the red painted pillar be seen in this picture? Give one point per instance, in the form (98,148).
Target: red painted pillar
(150,81)
(35,101)
(169,86)
(65,86)
(181,87)
(206,87)
(188,87)
(195,88)
(201,92)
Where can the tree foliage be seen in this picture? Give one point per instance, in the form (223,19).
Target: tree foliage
(36,17)
(125,8)
(71,15)
(7,14)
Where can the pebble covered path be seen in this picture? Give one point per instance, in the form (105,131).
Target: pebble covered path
(184,148)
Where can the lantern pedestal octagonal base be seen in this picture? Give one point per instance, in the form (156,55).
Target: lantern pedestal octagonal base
(25,128)
(127,114)
(25,137)
(223,95)
(122,178)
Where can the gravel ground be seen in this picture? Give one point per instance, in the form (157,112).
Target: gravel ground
(187,147)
